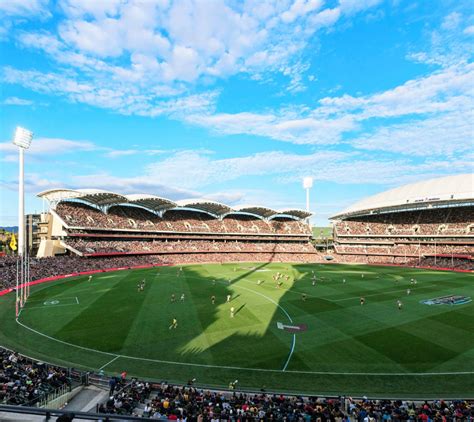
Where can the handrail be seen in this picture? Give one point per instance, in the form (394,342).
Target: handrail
(49,413)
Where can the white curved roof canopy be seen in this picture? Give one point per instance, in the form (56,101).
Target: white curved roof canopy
(150,202)
(296,213)
(206,205)
(450,188)
(92,196)
(156,203)
(260,211)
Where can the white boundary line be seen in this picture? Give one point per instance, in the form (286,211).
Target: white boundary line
(116,356)
(247,369)
(109,362)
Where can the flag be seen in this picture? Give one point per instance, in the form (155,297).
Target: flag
(13,243)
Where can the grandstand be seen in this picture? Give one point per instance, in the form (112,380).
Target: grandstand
(92,223)
(427,223)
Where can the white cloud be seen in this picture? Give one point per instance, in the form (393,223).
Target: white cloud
(451,21)
(179,43)
(47,146)
(437,92)
(24,7)
(295,129)
(446,135)
(469,30)
(354,6)
(17,101)
(121,153)
(300,8)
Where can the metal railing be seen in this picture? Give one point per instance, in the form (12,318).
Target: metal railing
(49,413)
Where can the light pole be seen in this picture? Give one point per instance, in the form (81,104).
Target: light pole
(22,139)
(307,184)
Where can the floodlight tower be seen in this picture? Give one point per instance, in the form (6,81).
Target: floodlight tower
(307,184)
(22,139)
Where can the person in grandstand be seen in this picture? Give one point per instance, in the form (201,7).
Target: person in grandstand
(173,298)
(362,301)
(228,298)
(174,324)
(213,299)
(182,297)
(399,304)
(232,312)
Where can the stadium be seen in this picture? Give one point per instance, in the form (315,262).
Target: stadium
(201,299)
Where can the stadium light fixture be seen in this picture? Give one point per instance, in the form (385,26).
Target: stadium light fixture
(22,139)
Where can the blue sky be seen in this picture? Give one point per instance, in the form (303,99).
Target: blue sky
(236,101)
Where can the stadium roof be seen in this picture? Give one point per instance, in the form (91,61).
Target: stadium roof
(263,212)
(206,205)
(93,196)
(156,203)
(150,202)
(459,188)
(296,213)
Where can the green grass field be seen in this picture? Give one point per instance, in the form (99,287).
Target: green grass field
(375,349)
(322,232)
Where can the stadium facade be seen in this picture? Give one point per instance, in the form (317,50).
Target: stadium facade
(425,223)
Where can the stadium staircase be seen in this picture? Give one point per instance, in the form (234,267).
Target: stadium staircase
(88,399)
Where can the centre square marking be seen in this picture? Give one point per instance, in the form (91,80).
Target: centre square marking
(292,328)
(51,302)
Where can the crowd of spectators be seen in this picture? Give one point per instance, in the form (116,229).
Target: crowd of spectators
(25,382)
(170,402)
(58,265)
(439,262)
(76,214)
(49,267)
(88,246)
(408,249)
(452,221)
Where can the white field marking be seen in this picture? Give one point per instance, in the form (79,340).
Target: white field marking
(291,353)
(246,369)
(379,294)
(293,343)
(52,298)
(109,362)
(104,276)
(401,374)
(77,300)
